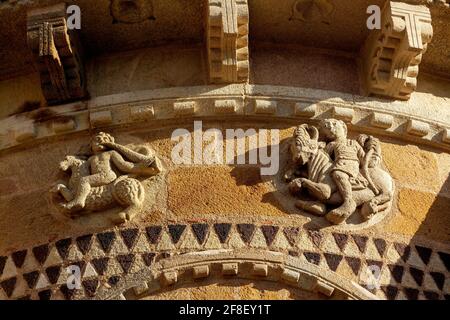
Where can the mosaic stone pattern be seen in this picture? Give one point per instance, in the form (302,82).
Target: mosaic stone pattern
(405,271)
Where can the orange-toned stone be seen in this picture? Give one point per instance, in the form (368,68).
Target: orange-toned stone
(411,166)
(422,214)
(239,191)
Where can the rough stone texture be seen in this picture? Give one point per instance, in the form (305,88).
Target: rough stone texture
(303,69)
(422,213)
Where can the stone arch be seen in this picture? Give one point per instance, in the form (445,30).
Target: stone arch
(257,265)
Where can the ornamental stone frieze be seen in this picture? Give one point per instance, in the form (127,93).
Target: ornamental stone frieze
(226,150)
(391,55)
(57,54)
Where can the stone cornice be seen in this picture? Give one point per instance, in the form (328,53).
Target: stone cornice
(401,120)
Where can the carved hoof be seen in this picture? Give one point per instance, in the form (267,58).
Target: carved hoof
(369,209)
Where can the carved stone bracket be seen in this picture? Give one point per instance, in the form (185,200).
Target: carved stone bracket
(391,56)
(56,53)
(227,41)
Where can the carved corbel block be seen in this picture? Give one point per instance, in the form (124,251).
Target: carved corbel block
(391,55)
(56,53)
(227,41)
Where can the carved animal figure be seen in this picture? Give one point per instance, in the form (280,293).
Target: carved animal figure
(124,191)
(306,150)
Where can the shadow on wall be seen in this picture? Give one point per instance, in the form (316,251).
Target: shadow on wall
(422,271)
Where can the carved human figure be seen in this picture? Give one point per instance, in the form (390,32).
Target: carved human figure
(339,172)
(348,155)
(100,166)
(94,184)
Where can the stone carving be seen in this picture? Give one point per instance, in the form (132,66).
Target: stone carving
(96,185)
(131,11)
(391,56)
(227,41)
(312,10)
(56,51)
(339,172)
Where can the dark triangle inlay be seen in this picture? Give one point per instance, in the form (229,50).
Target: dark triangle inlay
(380,244)
(41,253)
(291,234)
(68,293)
(361,242)
(411,294)
(100,265)
(341,240)
(424,254)
(200,231)
(129,237)
(176,231)
(31,278)
(106,240)
(63,246)
(84,243)
(19,258)
(312,257)
(354,263)
(316,237)
(2,263)
(269,232)
(445,258)
(333,260)
(53,273)
(403,250)
(222,231)
(9,286)
(246,231)
(390,292)
(439,279)
(153,234)
(430,295)
(126,261)
(397,272)
(90,287)
(148,258)
(417,275)
(45,295)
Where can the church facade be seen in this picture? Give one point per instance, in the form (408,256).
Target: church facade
(224,149)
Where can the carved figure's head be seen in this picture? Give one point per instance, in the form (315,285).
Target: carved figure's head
(97,143)
(333,129)
(70,161)
(305,144)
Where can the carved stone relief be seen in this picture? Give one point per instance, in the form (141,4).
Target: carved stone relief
(56,51)
(334,177)
(391,56)
(104,179)
(227,40)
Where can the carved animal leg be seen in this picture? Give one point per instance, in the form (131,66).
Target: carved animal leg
(320,191)
(316,208)
(348,207)
(126,215)
(80,197)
